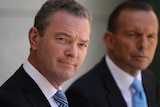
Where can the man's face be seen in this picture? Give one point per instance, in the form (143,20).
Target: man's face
(135,40)
(63,47)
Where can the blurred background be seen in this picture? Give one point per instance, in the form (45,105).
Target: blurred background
(17,16)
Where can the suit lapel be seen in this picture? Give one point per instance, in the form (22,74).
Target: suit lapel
(147,84)
(111,86)
(30,89)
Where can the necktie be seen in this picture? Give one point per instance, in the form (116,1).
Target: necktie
(60,99)
(139,98)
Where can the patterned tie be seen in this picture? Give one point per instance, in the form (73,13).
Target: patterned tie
(139,97)
(60,99)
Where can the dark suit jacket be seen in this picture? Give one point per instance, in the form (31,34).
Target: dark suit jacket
(21,91)
(97,88)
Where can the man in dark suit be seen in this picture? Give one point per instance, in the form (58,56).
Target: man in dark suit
(131,41)
(59,41)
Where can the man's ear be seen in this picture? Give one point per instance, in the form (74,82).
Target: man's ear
(34,37)
(108,39)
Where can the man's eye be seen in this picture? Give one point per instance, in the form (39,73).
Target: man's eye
(62,40)
(83,45)
(151,36)
(131,34)
(134,35)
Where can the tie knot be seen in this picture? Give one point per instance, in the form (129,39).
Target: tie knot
(137,85)
(60,99)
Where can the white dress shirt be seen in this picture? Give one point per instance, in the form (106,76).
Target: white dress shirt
(123,81)
(45,86)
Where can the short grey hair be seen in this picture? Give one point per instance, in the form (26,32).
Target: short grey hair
(52,6)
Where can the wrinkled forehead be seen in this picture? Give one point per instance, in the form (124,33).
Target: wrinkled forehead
(146,19)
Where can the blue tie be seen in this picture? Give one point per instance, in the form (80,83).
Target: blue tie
(139,97)
(60,99)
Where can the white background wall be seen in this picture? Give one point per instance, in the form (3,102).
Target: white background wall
(17,16)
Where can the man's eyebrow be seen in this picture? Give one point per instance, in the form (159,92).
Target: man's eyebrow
(68,35)
(85,41)
(153,34)
(63,33)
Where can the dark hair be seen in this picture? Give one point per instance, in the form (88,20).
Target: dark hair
(52,6)
(128,5)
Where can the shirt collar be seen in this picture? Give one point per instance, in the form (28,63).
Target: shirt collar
(123,79)
(45,86)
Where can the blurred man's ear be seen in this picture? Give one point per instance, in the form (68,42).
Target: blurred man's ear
(108,39)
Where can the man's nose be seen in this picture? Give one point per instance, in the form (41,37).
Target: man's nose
(72,50)
(143,43)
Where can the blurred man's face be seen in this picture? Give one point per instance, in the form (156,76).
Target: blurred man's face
(135,40)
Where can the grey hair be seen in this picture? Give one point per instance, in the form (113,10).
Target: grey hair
(52,6)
